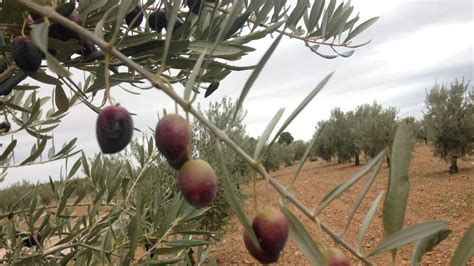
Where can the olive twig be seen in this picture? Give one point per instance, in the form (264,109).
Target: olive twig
(107,95)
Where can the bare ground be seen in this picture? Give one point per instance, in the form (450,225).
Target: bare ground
(434,194)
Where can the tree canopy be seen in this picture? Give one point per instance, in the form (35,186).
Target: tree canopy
(449,120)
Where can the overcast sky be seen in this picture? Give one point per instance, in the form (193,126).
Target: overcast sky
(414,44)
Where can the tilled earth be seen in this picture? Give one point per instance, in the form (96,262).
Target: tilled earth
(434,195)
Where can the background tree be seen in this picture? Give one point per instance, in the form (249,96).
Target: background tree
(421,131)
(449,119)
(285,138)
(299,147)
(323,147)
(376,128)
(342,138)
(356,134)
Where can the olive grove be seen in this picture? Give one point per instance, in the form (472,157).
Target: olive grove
(145,199)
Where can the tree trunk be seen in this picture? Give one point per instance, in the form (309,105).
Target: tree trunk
(357,161)
(453,168)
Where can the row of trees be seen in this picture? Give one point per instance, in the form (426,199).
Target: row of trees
(448,123)
(346,135)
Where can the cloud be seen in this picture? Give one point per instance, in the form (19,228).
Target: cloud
(414,44)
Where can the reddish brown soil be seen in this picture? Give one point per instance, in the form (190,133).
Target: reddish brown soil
(434,194)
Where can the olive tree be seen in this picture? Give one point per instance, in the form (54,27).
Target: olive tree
(449,120)
(323,146)
(342,138)
(286,138)
(375,128)
(182,49)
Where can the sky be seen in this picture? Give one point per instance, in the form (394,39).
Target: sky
(414,45)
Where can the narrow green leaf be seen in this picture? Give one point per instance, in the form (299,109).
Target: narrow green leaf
(340,22)
(66,148)
(324,24)
(465,249)
(29,260)
(428,244)
(68,257)
(106,245)
(346,184)
(253,77)
(133,233)
(408,235)
(186,243)
(113,191)
(35,112)
(233,199)
(344,54)
(300,108)
(185,63)
(362,27)
(362,194)
(191,232)
(303,239)
(266,134)
(74,168)
(237,25)
(8,150)
(315,14)
(228,25)
(124,8)
(305,156)
(61,100)
(212,88)
(8,85)
(134,40)
(16,107)
(262,15)
(85,165)
(33,156)
(169,31)
(306,20)
(296,14)
(255,5)
(166,250)
(399,183)
(192,77)
(39,36)
(99,27)
(41,76)
(219,50)
(171,213)
(368,219)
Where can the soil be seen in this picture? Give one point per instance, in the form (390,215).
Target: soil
(434,195)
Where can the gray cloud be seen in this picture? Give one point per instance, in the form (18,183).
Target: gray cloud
(414,44)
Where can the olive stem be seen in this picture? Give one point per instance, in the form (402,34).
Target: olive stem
(107,95)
